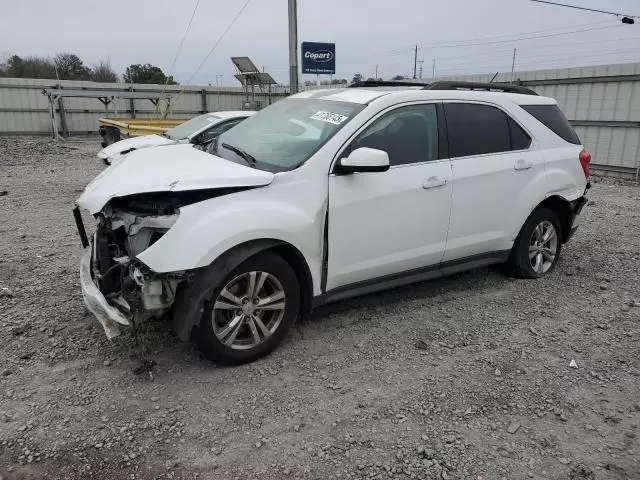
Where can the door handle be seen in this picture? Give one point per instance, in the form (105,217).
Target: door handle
(433,182)
(522,164)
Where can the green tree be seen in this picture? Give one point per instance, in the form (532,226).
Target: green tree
(147,73)
(30,67)
(70,67)
(398,77)
(15,66)
(356,78)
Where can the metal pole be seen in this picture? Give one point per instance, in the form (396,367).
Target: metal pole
(376,71)
(293,46)
(433,70)
(63,118)
(132,105)
(513,65)
(52,110)
(203,98)
(415,61)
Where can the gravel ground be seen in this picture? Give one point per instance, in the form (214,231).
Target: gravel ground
(467,377)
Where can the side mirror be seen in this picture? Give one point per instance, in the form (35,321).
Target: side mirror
(364,159)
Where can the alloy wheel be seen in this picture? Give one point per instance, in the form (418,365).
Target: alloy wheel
(543,247)
(248,310)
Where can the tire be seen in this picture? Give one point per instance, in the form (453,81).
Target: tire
(231,311)
(531,240)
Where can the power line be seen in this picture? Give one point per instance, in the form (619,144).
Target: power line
(617,14)
(444,45)
(173,64)
(534,54)
(505,37)
(184,36)
(536,65)
(526,38)
(215,45)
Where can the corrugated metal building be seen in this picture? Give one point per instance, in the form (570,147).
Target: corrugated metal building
(602,102)
(24,109)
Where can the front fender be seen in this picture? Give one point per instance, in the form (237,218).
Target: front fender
(206,230)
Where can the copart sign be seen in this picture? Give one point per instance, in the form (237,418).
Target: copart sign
(318,57)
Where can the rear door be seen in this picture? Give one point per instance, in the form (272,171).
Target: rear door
(493,160)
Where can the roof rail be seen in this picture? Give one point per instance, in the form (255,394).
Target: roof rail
(387,83)
(500,87)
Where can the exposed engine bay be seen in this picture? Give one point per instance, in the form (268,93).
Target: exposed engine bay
(118,288)
(125,228)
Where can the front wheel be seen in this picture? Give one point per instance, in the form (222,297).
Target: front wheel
(537,248)
(250,312)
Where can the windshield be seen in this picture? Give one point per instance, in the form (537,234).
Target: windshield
(284,135)
(182,131)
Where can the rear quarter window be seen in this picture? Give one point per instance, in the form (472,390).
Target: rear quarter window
(552,117)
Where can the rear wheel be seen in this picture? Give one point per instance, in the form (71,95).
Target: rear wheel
(250,312)
(537,248)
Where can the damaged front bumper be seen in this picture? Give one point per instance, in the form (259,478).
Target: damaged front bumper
(117,288)
(109,317)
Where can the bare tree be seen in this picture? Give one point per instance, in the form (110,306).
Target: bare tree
(4,65)
(102,72)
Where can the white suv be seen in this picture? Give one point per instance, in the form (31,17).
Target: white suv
(326,195)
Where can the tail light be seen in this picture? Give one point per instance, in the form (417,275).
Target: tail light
(585,160)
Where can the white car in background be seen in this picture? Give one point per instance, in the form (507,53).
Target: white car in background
(326,195)
(200,130)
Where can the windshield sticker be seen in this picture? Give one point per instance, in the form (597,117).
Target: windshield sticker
(329,117)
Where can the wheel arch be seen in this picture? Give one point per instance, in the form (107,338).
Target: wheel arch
(563,210)
(192,293)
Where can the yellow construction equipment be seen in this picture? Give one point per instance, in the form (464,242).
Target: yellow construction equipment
(114,129)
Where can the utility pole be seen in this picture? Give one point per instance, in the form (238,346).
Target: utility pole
(433,70)
(376,77)
(420,71)
(293,46)
(513,65)
(415,61)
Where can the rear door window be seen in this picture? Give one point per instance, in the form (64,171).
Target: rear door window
(552,117)
(475,129)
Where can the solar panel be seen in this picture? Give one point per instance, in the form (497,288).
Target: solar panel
(244,65)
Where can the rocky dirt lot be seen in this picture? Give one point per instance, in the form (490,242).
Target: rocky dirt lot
(469,377)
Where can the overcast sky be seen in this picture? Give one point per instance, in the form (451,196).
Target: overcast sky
(464,36)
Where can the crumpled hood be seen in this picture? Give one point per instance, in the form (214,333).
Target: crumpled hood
(172,168)
(133,142)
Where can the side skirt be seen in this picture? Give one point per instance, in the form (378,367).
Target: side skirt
(411,276)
